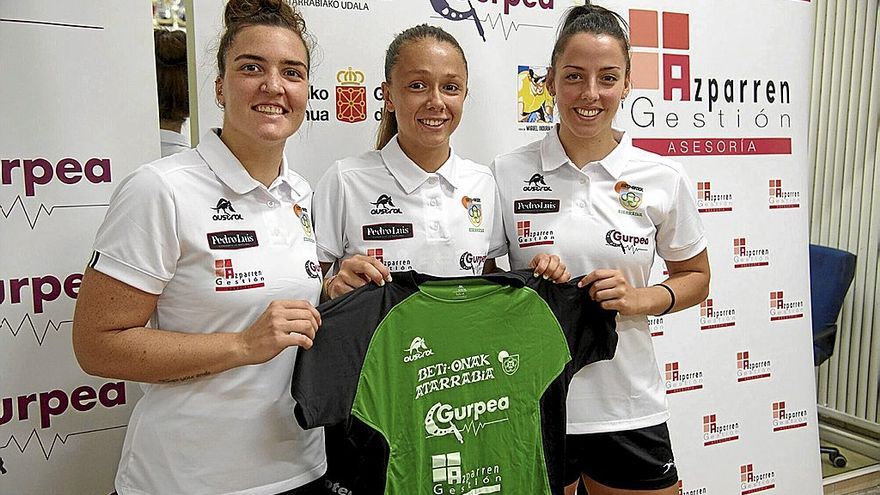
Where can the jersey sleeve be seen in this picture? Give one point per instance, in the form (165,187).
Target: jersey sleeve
(329,207)
(680,235)
(137,243)
(325,377)
(590,330)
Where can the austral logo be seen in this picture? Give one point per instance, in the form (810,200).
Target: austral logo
(780,309)
(449,475)
(780,198)
(743,257)
(655,326)
(678,381)
(691,491)
(628,244)
(715,433)
(713,317)
(224,211)
(630,197)
(472,262)
(528,237)
(384,205)
(535,206)
(712,202)
(752,481)
(387,231)
(787,419)
(313,270)
(536,183)
(227,279)
(464,10)
(417,349)
(232,239)
(748,369)
(351,96)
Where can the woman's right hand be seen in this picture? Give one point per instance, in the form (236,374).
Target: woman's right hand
(355,272)
(285,323)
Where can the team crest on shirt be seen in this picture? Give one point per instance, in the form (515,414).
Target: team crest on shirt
(630,197)
(509,363)
(474,209)
(306,221)
(224,211)
(384,205)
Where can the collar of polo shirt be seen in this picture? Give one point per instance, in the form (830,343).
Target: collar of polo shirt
(230,171)
(553,154)
(409,175)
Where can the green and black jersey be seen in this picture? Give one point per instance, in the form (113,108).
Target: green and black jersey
(465,379)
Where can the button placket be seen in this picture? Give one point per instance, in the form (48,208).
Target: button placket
(432,196)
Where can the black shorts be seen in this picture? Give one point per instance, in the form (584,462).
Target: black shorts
(631,460)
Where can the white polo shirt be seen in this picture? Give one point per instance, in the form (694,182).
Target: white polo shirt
(216,246)
(382,204)
(615,213)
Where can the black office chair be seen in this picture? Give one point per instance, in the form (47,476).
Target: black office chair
(831,274)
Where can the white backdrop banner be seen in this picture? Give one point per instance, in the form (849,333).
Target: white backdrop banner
(79,113)
(722,87)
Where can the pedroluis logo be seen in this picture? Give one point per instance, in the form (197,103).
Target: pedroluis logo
(474,209)
(780,309)
(690,491)
(450,476)
(743,257)
(227,279)
(465,10)
(628,244)
(678,381)
(786,418)
(748,369)
(655,325)
(754,481)
(781,198)
(472,262)
(709,201)
(713,316)
(715,433)
(672,96)
(528,237)
(629,197)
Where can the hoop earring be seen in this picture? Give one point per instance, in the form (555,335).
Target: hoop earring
(219,103)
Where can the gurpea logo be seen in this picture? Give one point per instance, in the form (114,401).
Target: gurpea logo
(384,205)
(225,211)
(628,244)
(417,349)
(312,269)
(447,11)
(472,262)
(441,418)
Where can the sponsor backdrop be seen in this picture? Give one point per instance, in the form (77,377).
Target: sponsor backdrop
(714,86)
(79,112)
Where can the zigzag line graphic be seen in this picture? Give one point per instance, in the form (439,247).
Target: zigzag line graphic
(4,323)
(56,438)
(506,28)
(475,426)
(42,209)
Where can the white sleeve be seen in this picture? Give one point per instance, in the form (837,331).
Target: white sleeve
(328,204)
(498,239)
(138,244)
(680,235)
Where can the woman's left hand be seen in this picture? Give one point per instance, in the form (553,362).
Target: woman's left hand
(550,267)
(612,291)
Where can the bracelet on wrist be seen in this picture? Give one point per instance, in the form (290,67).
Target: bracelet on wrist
(671,297)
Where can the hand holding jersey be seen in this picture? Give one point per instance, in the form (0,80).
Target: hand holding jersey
(285,323)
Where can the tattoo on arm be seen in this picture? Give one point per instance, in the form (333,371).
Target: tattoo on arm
(185,378)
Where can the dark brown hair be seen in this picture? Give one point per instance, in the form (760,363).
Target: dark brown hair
(240,14)
(592,19)
(171,75)
(388,125)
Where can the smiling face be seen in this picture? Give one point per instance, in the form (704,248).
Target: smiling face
(264,89)
(426,93)
(589,80)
